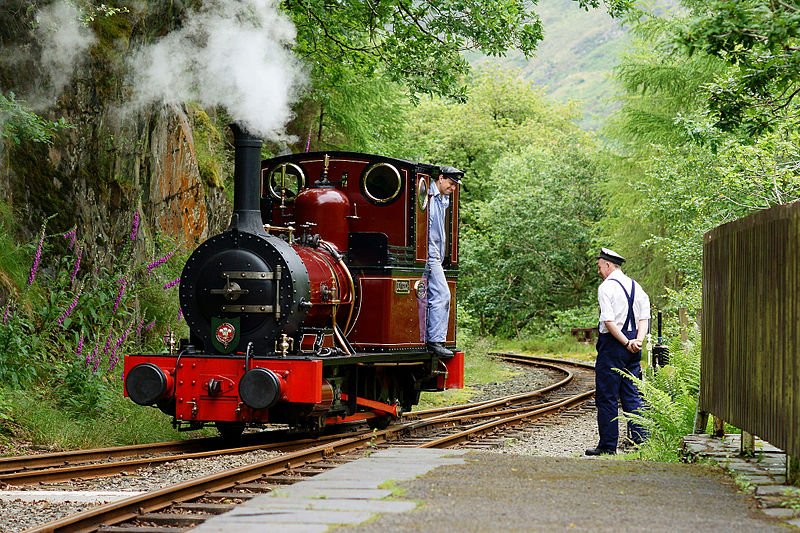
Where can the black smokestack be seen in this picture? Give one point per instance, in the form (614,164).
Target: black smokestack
(246,182)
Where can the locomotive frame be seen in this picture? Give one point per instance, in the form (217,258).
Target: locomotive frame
(308,309)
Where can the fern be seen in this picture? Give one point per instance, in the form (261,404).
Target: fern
(670,402)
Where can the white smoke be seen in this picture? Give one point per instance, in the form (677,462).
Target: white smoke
(63,39)
(230,53)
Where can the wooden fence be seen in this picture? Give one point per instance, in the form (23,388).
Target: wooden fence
(751,325)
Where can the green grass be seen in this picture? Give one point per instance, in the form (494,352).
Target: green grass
(33,419)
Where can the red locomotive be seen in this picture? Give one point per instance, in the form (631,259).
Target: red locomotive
(308,309)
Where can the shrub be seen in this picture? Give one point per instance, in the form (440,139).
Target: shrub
(64,333)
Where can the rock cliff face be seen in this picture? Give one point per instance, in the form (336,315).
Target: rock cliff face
(111,163)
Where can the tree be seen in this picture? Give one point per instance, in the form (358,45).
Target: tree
(526,256)
(760,40)
(680,171)
(417,43)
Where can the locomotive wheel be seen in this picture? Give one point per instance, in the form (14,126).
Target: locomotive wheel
(231,432)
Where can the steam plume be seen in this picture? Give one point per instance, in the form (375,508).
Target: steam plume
(230,53)
(63,40)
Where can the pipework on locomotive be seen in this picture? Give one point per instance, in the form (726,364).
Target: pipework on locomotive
(309,309)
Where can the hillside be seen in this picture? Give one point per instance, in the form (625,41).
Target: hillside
(575,60)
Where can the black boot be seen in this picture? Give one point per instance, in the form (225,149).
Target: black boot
(437,348)
(600,451)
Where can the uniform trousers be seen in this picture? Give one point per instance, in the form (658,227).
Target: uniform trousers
(611,386)
(438,303)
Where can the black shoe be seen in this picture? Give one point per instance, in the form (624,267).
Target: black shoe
(438,349)
(600,451)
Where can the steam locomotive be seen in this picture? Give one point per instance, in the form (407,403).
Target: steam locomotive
(309,309)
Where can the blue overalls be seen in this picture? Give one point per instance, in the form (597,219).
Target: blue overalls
(438,292)
(610,385)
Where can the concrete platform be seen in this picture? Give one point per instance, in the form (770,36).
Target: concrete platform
(406,489)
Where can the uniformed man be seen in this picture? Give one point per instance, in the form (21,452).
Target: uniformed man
(438,311)
(624,322)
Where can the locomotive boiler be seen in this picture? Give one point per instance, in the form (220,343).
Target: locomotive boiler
(309,308)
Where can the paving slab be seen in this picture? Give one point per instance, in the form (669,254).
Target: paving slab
(376,506)
(349,494)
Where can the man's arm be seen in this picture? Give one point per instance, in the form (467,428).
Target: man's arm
(636,344)
(612,328)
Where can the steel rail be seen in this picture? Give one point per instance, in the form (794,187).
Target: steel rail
(548,362)
(451,440)
(129,508)
(52,459)
(88,471)
(49,460)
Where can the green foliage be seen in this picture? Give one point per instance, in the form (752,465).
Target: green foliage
(670,398)
(18,123)
(504,114)
(539,226)
(13,257)
(759,41)
(356,113)
(417,44)
(208,139)
(68,328)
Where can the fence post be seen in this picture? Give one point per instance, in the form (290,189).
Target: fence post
(719,427)
(747,444)
(792,470)
(700,421)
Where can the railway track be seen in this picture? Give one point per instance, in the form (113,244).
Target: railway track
(102,462)
(184,505)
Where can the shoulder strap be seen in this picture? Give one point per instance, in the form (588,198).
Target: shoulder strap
(630,320)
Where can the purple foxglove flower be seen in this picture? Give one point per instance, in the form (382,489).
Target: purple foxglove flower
(122,284)
(112,360)
(150,326)
(180,313)
(69,309)
(108,342)
(72,236)
(90,357)
(77,266)
(7,312)
(124,336)
(80,346)
(158,262)
(135,225)
(36,259)
(172,283)
(139,328)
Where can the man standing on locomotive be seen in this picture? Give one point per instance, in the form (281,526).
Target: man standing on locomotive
(624,321)
(438,311)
